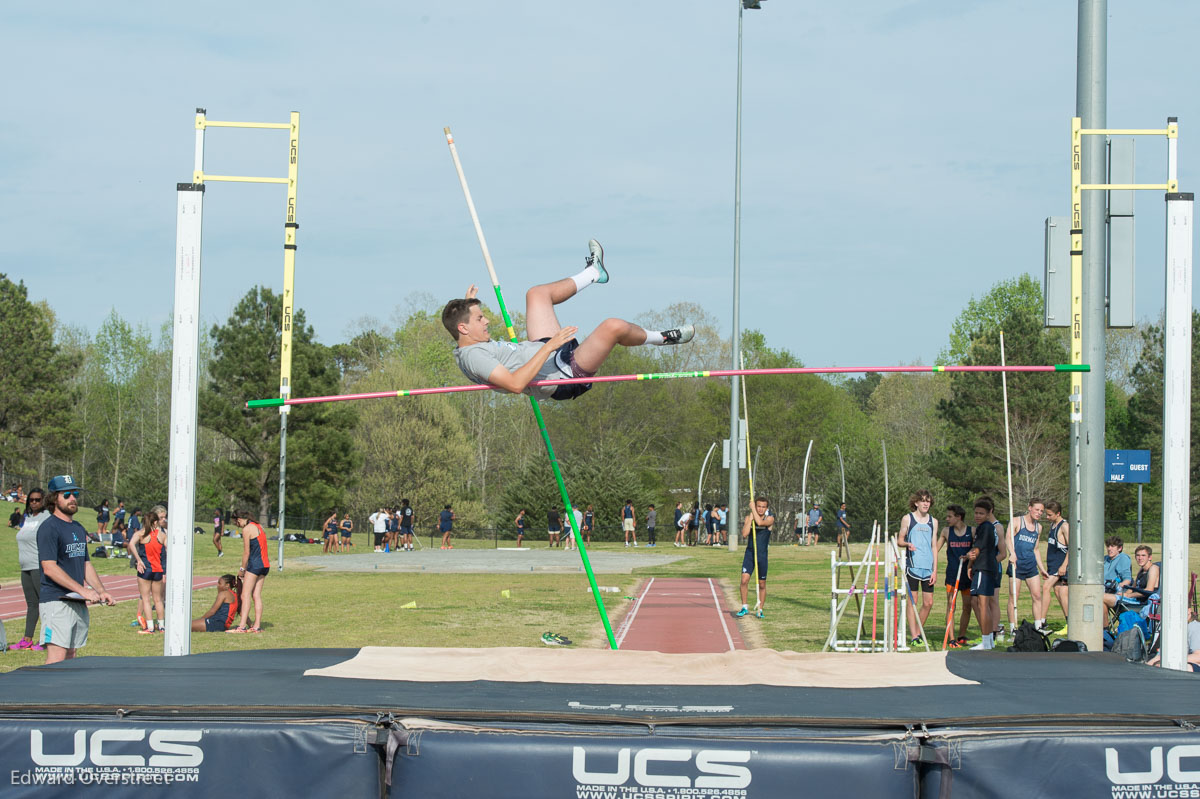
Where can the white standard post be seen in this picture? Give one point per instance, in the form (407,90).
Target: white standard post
(1177,403)
(185,355)
(833,593)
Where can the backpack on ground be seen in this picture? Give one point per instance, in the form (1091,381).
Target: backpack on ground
(1131,645)
(1029,639)
(1067,645)
(1133,618)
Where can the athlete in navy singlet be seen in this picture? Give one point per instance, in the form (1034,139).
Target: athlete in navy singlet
(1023,534)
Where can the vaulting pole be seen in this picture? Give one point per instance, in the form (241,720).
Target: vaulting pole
(537,411)
(1009,534)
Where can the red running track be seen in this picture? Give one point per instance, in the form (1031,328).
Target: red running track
(679,615)
(122,588)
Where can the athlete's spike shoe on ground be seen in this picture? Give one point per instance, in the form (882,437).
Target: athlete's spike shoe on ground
(679,335)
(596,259)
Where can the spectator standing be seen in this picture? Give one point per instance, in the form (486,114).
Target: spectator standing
(446,526)
(102,516)
(589,523)
(31,570)
(118,516)
(918,531)
(218,531)
(1023,535)
(407,520)
(651,523)
(346,529)
(553,526)
(149,549)
(378,521)
(520,523)
(577,514)
(256,564)
(68,575)
(956,537)
(988,548)
(1057,539)
(329,534)
(629,522)
(843,531)
(814,524)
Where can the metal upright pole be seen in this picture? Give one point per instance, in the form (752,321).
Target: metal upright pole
(285,350)
(1086,607)
(1177,405)
(185,358)
(735,437)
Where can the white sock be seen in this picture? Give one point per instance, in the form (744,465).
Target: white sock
(587,277)
(655,337)
(988,643)
(744,607)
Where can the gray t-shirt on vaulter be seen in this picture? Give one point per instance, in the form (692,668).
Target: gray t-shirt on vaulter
(478,361)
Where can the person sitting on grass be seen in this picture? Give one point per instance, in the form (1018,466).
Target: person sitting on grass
(223,609)
(551,352)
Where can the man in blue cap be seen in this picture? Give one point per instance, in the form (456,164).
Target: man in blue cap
(69,580)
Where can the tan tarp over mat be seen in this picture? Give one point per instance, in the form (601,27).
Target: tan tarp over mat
(602,666)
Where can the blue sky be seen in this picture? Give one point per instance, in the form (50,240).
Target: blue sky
(898,157)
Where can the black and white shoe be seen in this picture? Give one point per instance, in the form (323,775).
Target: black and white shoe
(679,335)
(596,259)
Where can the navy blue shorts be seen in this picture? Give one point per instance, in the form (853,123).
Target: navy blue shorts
(1022,574)
(964,582)
(154,577)
(748,560)
(214,624)
(263,572)
(564,356)
(983,583)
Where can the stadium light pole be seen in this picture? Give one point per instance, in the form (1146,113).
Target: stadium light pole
(735,436)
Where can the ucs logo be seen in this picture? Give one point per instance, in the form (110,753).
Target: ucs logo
(715,766)
(1174,766)
(170,747)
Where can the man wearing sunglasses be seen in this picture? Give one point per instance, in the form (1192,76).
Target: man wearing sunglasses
(69,580)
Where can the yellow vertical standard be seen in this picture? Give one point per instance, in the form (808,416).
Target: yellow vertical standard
(289,261)
(1076,267)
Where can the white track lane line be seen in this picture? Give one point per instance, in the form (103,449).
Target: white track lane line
(628,622)
(721,614)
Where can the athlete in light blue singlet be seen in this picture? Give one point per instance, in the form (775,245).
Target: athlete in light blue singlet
(918,529)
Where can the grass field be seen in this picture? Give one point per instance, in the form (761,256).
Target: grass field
(308,607)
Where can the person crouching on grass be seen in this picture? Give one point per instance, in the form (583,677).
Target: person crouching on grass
(69,580)
(552,352)
(224,608)
(256,564)
(756,553)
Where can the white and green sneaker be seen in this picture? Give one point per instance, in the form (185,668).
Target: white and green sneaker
(596,259)
(679,335)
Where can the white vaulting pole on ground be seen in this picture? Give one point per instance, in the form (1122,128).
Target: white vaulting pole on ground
(1012,555)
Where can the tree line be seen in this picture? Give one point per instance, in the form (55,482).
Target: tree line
(98,406)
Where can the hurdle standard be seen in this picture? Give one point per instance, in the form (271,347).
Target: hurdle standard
(879,556)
